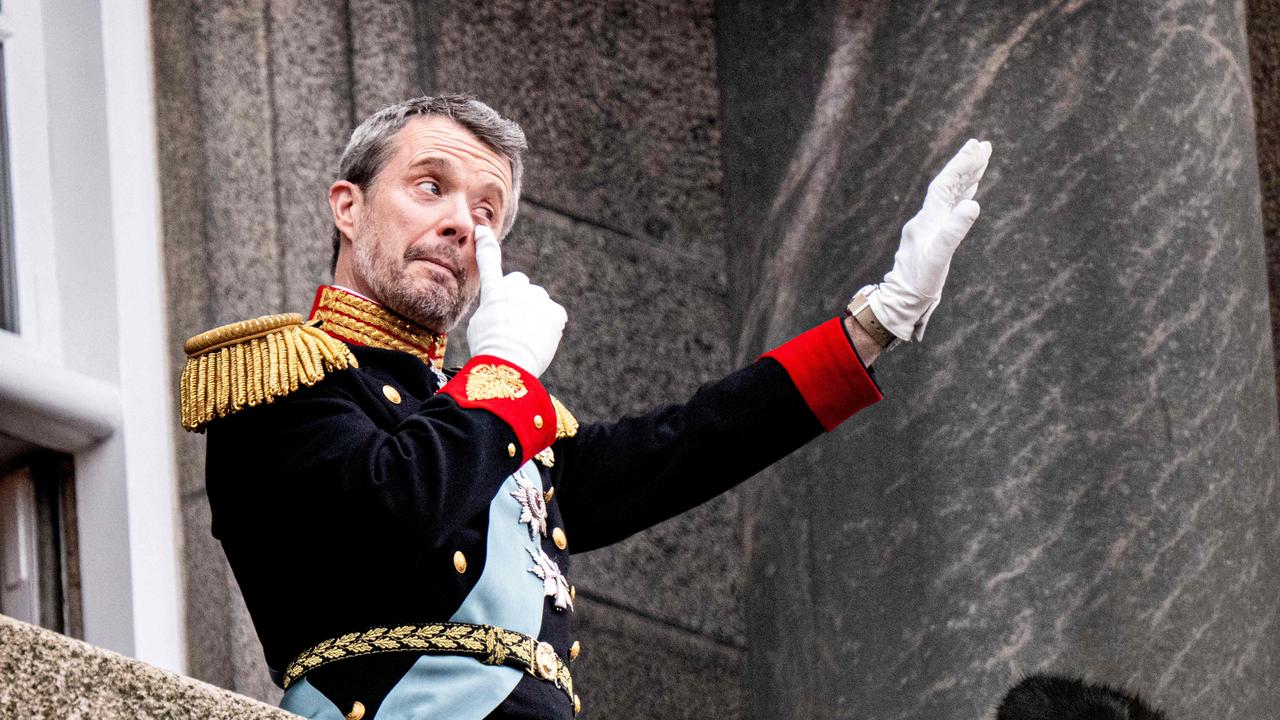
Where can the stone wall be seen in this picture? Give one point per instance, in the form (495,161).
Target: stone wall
(47,675)
(1076,470)
(621,221)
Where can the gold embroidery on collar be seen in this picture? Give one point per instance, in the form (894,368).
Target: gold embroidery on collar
(368,323)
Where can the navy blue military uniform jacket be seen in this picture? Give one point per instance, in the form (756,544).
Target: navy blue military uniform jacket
(375,497)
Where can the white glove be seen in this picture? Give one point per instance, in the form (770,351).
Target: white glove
(911,290)
(516,321)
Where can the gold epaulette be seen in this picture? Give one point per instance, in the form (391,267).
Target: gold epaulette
(566,423)
(253,362)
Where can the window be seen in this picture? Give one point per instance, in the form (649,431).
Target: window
(84,355)
(39,569)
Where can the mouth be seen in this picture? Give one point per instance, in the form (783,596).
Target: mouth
(440,263)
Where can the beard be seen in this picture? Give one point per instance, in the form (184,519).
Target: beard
(428,302)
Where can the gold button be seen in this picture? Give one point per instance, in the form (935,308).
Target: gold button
(459,562)
(577,704)
(558,536)
(511,449)
(394,396)
(574,650)
(357,710)
(550,494)
(537,421)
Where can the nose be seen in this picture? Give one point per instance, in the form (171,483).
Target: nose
(458,223)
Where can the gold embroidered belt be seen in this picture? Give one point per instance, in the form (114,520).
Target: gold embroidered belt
(490,645)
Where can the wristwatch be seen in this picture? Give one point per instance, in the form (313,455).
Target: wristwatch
(860,308)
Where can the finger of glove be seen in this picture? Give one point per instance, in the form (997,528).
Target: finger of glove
(550,313)
(955,228)
(985,147)
(950,186)
(535,294)
(488,261)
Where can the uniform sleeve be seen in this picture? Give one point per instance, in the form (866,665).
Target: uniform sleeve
(617,479)
(319,452)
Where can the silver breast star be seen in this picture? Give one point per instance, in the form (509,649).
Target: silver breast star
(554,584)
(533,506)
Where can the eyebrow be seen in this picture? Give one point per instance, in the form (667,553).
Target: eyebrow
(449,166)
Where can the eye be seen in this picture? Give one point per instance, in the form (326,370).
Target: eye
(486,213)
(430,186)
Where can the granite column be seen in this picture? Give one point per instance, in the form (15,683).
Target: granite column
(1076,470)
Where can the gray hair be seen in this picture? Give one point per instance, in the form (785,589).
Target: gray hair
(370,146)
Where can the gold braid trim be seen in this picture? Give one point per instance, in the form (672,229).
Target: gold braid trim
(252,362)
(368,323)
(486,643)
(370,335)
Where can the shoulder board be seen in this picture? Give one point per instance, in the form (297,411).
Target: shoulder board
(252,362)
(566,423)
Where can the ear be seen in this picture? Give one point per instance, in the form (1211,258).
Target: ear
(346,200)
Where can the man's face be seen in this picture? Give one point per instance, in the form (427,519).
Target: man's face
(414,243)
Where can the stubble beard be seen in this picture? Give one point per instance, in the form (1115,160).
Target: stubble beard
(428,303)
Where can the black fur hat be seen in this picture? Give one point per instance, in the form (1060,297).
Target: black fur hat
(1045,697)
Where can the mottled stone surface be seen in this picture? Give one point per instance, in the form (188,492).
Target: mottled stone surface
(384,54)
(47,675)
(311,104)
(241,229)
(633,667)
(1076,471)
(646,324)
(1264,60)
(618,99)
(612,362)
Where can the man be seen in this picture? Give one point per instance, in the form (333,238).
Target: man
(402,537)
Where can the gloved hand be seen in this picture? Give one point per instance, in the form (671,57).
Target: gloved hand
(516,320)
(911,290)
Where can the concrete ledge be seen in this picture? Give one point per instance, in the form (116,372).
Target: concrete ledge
(47,675)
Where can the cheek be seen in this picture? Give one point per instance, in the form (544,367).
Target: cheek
(469,262)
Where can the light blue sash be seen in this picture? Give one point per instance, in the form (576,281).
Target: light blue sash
(452,686)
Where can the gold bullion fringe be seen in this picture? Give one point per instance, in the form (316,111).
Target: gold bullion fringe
(252,362)
(488,644)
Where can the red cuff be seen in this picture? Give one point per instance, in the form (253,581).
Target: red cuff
(828,373)
(493,384)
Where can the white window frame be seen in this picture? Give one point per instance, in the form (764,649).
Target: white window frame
(25,104)
(98,390)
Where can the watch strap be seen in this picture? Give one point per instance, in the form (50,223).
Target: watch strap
(860,308)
